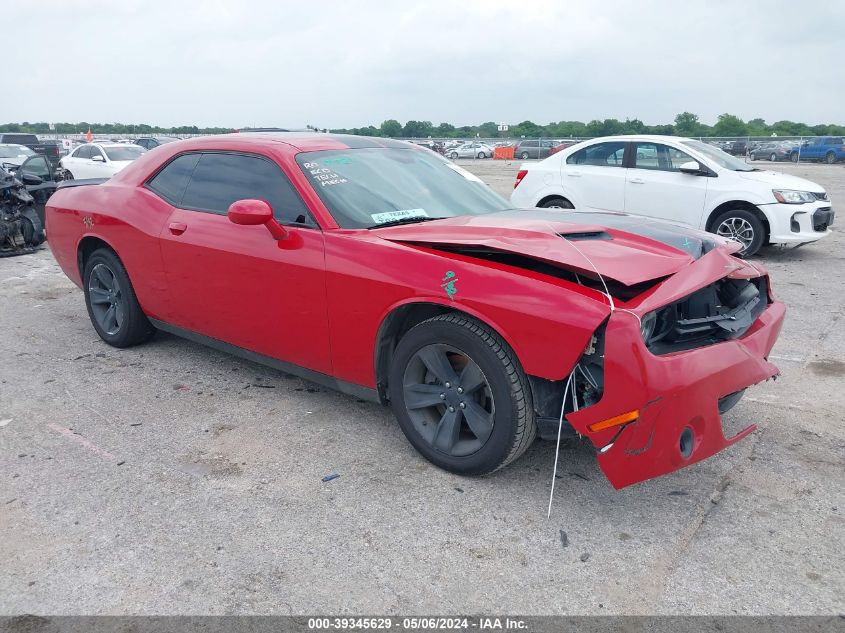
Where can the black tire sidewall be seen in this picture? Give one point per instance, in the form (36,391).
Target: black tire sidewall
(136,327)
(498,447)
(561,204)
(756,224)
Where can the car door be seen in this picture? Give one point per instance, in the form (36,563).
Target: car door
(655,186)
(77,162)
(39,166)
(238,284)
(99,166)
(593,178)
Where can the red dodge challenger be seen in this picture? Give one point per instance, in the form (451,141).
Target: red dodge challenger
(385,271)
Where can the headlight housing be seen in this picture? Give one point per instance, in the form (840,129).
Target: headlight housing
(789,196)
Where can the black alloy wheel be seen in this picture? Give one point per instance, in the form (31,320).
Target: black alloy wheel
(448,400)
(112,305)
(460,395)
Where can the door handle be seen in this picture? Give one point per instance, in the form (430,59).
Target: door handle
(574,174)
(637,181)
(177,228)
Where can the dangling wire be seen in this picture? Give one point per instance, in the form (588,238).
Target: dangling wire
(559,430)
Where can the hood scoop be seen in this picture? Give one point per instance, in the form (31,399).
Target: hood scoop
(586,235)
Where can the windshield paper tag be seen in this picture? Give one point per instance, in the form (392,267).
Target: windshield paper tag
(390,216)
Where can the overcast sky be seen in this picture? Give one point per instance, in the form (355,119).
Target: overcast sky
(353,63)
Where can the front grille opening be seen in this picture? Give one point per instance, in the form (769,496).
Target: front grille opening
(822,219)
(718,312)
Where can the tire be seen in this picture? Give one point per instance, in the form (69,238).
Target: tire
(481,155)
(773,158)
(557,203)
(453,155)
(68,175)
(502,401)
(524,156)
(752,157)
(32,229)
(830,158)
(105,277)
(743,226)
(794,157)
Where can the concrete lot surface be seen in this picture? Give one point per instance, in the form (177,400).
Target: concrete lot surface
(173,479)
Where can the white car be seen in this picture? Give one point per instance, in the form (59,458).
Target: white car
(14,155)
(99,160)
(470,150)
(681,180)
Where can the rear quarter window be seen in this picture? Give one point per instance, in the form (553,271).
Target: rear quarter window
(171,181)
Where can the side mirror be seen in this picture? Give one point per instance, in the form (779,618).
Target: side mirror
(98,159)
(31,179)
(254,212)
(692,168)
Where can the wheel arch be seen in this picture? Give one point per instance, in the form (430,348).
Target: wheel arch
(738,204)
(552,196)
(399,320)
(88,245)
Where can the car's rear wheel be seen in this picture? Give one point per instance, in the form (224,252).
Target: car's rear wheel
(773,158)
(460,395)
(794,157)
(112,305)
(742,226)
(453,155)
(482,155)
(524,155)
(830,158)
(557,203)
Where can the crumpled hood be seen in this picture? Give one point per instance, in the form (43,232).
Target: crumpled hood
(781,181)
(628,249)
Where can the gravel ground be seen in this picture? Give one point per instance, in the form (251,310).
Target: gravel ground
(173,479)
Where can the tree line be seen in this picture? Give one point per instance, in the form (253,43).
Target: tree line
(685,124)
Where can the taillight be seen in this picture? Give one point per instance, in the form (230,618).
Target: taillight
(522,173)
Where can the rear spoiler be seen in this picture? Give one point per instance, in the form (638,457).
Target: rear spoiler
(81,183)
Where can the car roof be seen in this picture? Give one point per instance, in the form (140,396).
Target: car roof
(657,138)
(297,141)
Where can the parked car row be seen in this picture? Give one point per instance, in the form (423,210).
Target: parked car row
(46,148)
(680,180)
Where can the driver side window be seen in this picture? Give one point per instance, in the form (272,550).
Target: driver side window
(37,166)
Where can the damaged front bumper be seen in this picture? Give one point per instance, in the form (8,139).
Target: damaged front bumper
(677,397)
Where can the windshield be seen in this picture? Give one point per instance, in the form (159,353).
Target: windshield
(130,152)
(719,157)
(364,188)
(13,151)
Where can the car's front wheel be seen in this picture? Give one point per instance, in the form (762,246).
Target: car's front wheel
(460,395)
(453,155)
(524,156)
(794,157)
(112,305)
(773,157)
(482,155)
(744,227)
